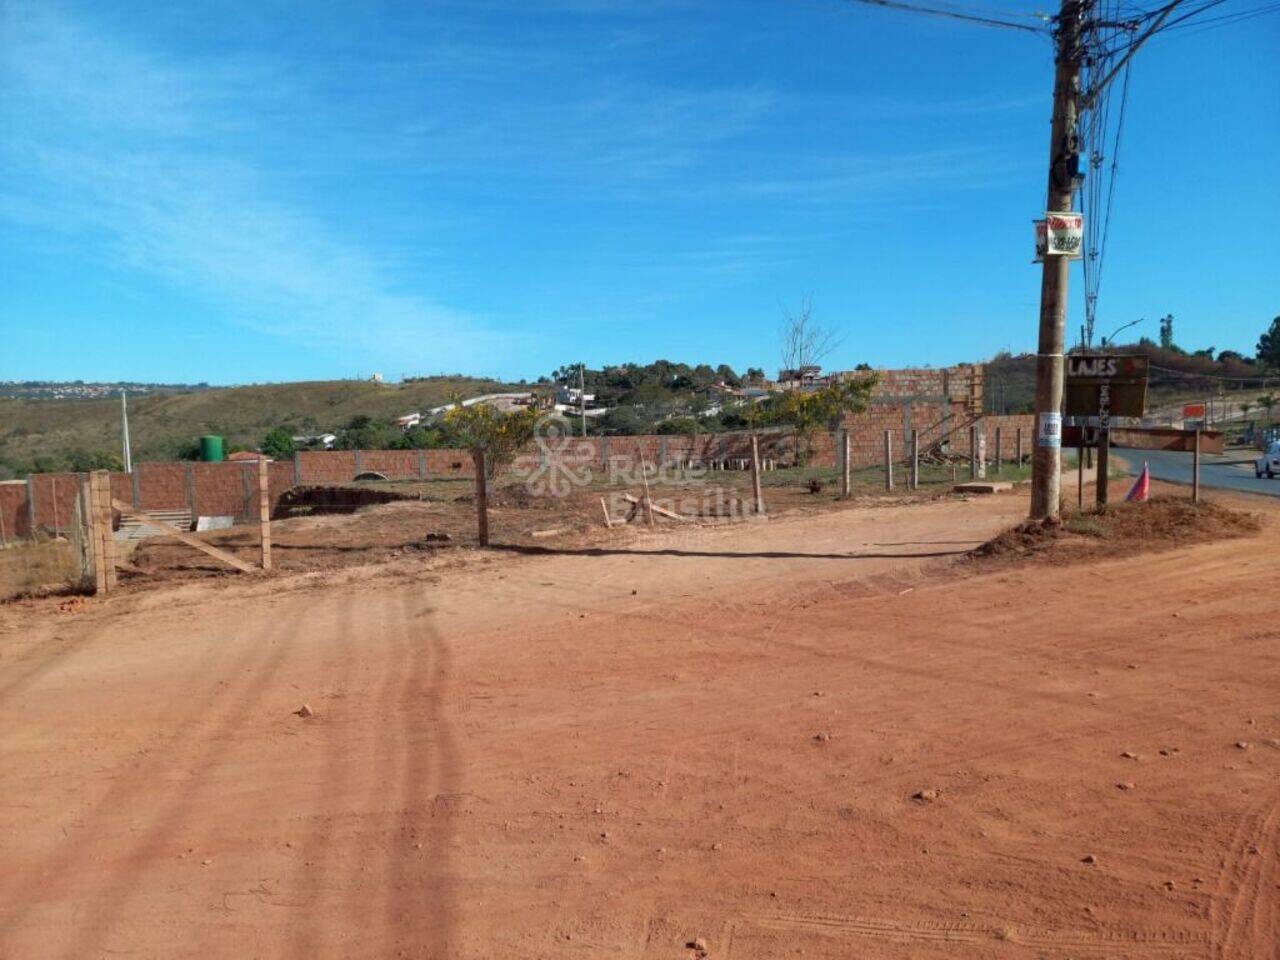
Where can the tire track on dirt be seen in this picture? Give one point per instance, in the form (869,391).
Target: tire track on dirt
(103,917)
(128,785)
(420,902)
(311,874)
(1128,943)
(1249,888)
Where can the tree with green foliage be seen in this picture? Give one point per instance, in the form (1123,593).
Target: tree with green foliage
(808,411)
(86,461)
(1268,403)
(679,426)
(494,438)
(1269,345)
(278,444)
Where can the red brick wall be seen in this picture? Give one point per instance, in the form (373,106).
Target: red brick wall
(231,488)
(13,510)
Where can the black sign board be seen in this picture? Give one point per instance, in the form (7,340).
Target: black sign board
(1106,386)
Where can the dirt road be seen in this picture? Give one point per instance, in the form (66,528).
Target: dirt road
(809,737)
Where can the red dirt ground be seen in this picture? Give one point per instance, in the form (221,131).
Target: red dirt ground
(819,736)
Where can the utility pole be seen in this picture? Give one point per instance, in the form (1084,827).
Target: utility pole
(124,432)
(582,395)
(1064,154)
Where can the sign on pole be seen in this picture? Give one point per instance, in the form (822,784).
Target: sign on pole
(1049,430)
(1060,235)
(1105,386)
(1193,411)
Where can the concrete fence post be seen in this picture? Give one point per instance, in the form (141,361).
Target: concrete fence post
(357,465)
(888,459)
(189,481)
(133,486)
(973,451)
(297,469)
(1017,450)
(915,459)
(422,465)
(31,506)
(999,450)
(846,464)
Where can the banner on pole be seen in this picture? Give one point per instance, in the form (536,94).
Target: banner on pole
(1060,235)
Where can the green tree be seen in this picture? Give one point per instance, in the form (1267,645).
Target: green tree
(493,435)
(1268,403)
(278,444)
(808,411)
(1269,345)
(1166,332)
(680,426)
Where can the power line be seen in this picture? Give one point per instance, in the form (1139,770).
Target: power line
(955,14)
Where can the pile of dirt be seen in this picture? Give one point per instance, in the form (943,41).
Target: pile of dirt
(1161,523)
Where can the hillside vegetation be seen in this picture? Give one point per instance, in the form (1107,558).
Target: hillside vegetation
(39,435)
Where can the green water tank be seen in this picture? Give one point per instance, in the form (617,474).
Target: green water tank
(211,449)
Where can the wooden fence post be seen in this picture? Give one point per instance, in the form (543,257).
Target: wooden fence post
(846,464)
(264,509)
(103,538)
(482,496)
(1195,469)
(755,475)
(1104,462)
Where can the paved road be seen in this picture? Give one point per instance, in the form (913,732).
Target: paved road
(1232,472)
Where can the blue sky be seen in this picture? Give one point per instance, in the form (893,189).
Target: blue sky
(276,191)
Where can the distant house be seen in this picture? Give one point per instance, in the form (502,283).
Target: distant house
(322,441)
(409,421)
(806,376)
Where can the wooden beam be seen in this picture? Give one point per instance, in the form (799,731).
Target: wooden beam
(264,510)
(191,541)
(649,505)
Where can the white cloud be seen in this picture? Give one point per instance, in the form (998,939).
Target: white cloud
(127,150)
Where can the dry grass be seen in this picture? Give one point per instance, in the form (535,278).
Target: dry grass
(31,567)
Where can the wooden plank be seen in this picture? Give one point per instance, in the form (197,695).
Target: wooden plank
(649,505)
(264,511)
(185,537)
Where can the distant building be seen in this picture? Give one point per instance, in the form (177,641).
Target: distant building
(322,441)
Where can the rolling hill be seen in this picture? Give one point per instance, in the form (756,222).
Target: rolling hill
(51,434)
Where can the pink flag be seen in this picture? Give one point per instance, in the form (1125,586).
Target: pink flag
(1141,487)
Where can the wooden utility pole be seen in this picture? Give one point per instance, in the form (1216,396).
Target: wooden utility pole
(482,496)
(1064,156)
(264,510)
(755,475)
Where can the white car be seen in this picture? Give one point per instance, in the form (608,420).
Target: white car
(1268,465)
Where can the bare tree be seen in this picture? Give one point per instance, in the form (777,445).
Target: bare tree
(805,343)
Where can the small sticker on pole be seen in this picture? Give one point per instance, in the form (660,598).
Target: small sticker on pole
(1049,430)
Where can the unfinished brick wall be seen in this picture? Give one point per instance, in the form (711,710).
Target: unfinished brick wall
(231,488)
